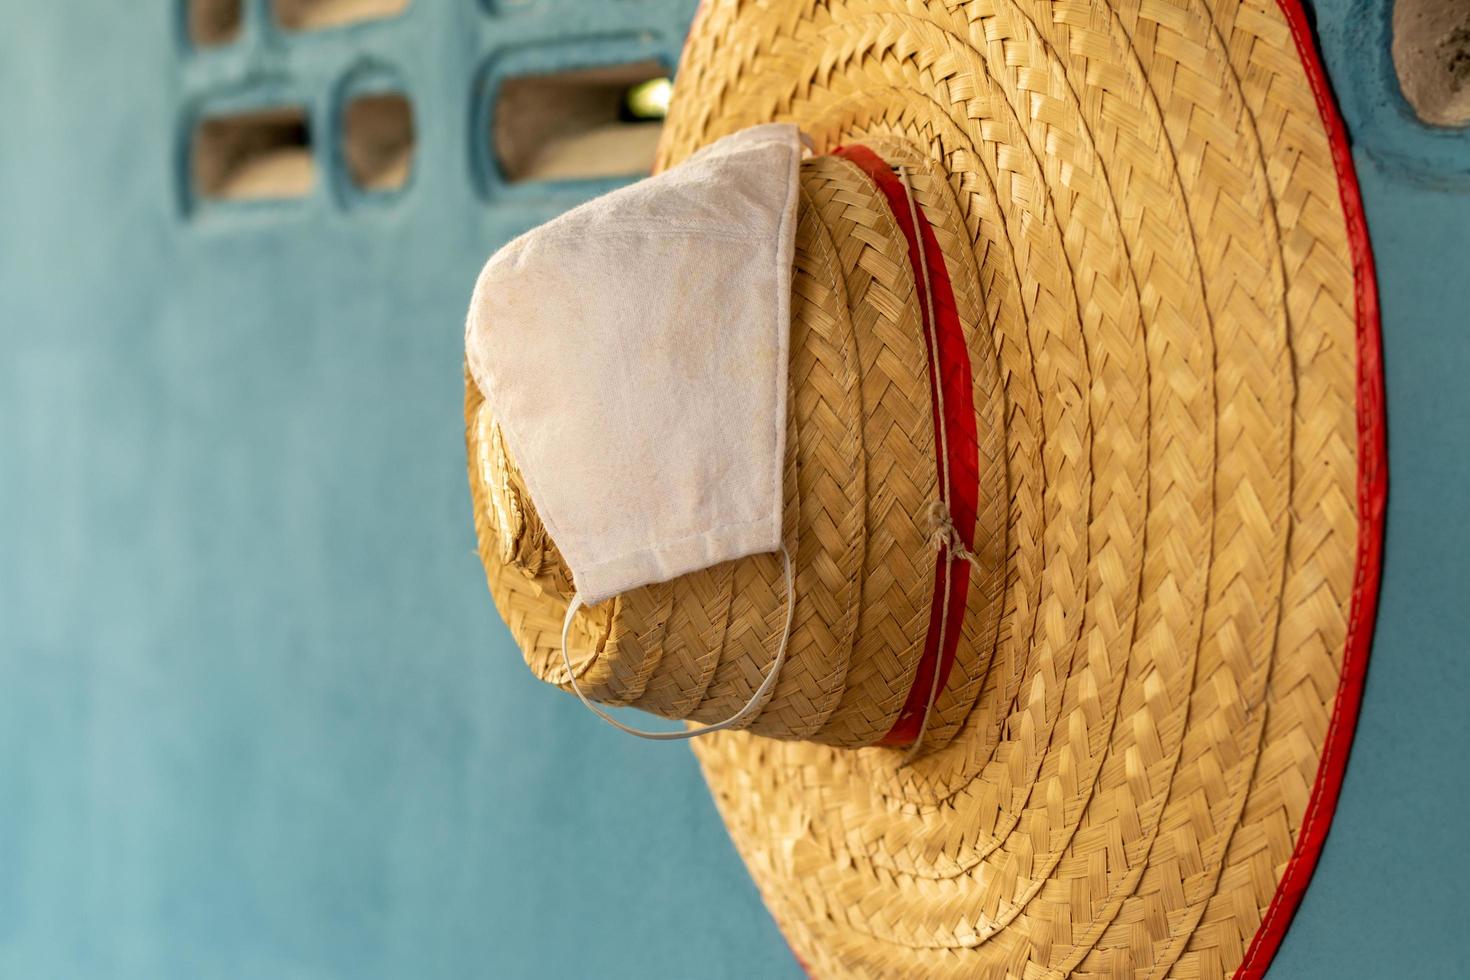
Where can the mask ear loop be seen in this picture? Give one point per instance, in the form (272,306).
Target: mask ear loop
(755,701)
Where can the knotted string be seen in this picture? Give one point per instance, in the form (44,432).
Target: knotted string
(943,534)
(755,701)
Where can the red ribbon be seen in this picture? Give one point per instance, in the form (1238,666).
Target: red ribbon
(963,455)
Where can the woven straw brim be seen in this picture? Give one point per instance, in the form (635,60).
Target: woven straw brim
(860,474)
(1151,200)
(1153,206)
(1160,257)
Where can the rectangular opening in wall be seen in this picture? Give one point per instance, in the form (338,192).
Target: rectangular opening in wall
(378,141)
(213,22)
(575,125)
(262,154)
(314,15)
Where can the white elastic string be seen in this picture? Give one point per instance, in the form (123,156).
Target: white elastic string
(750,706)
(940,506)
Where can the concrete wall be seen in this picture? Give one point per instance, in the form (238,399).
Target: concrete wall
(257,715)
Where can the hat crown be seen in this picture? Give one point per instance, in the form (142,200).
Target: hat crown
(870,658)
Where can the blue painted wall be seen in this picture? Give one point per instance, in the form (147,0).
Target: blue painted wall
(257,715)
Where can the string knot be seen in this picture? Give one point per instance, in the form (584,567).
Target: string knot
(944,535)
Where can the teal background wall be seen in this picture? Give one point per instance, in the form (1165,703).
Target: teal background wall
(257,715)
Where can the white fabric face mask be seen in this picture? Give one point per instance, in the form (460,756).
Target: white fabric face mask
(634,352)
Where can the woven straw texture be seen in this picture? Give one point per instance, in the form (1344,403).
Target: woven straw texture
(1140,215)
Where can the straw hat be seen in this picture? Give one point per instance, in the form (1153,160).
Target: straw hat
(1094,276)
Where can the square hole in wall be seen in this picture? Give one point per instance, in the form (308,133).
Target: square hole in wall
(314,15)
(211,23)
(261,154)
(580,124)
(377,142)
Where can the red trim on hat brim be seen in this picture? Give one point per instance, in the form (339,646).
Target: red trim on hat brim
(1372,500)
